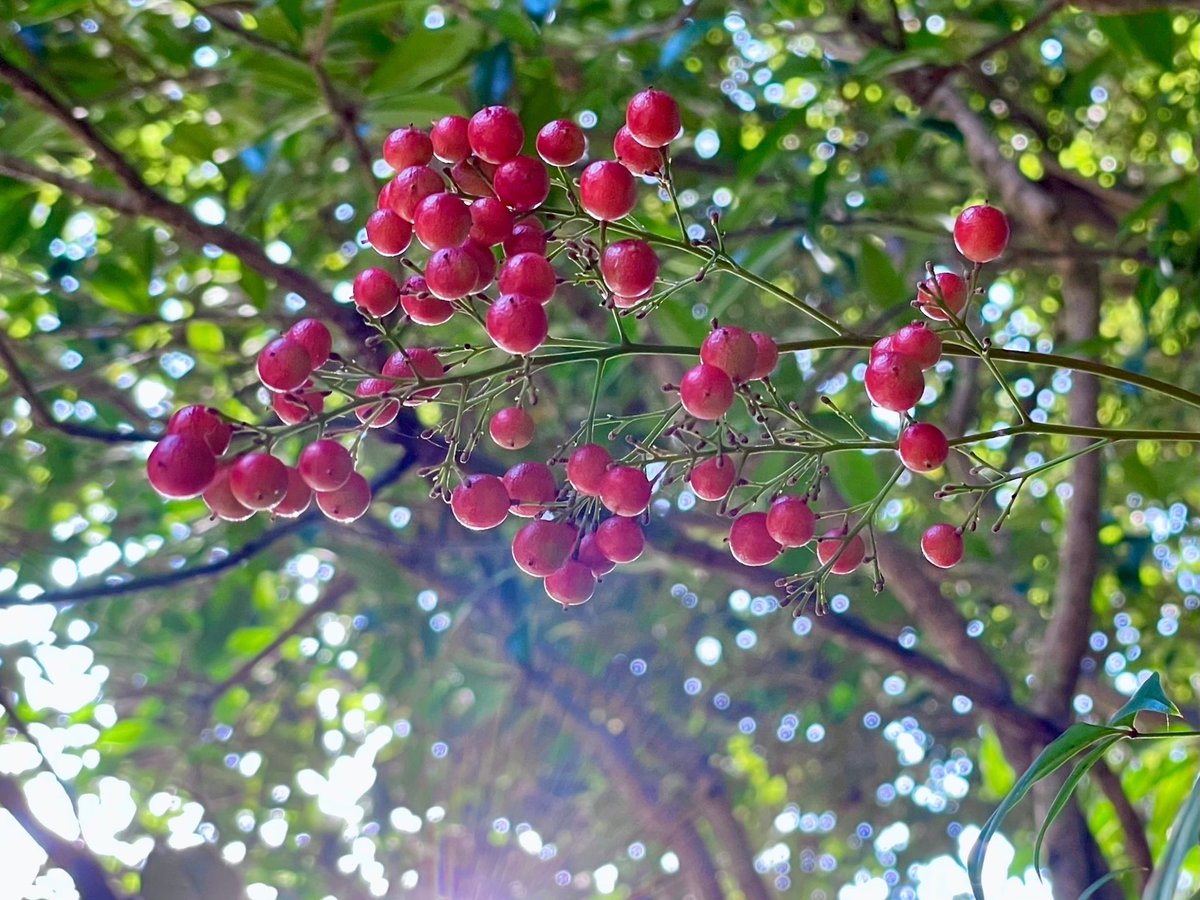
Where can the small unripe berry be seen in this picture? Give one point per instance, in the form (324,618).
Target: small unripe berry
(706,392)
(981,233)
(204,423)
(376,292)
(532,487)
(920,342)
(621,539)
(652,117)
(942,545)
(750,542)
(586,467)
(954,292)
(570,585)
(495,134)
(406,147)
(712,478)
(220,500)
(629,267)
(451,273)
(381,414)
(491,222)
(284,365)
(517,324)
(894,381)
(923,447)
(420,306)
(607,191)
(449,139)
(348,502)
(480,502)
(625,491)
(258,480)
(406,365)
(181,466)
(791,521)
(325,465)
(637,158)
(389,234)
(296,500)
(511,428)
(406,191)
(442,220)
(528,236)
(522,183)
(542,546)
(313,336)
(732,350)
(561,143)
(528,275)
(851,557)
(766,357)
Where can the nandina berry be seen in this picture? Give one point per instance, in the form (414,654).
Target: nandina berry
(586,467)
(923,447)
(298,406)
(732,350)
(449,139)
(517,324)
(451,273)
(791,521)
(942,545)
(706,392)
(620,301)
(485,263)
(712,478)
(886,344)
(953,290)
(750,542)
(981,233)
(181,466)
(325,465)
(376,292)
(894,381)
(408,365)
(850,557)
(204,423)
(406,147)
(625,491)
(387,233)
(920,342)
(522,183)
(377,415)
(480,502)
(495,134)
(442,220)
(629,267)
(621,539)
(491,222)
(220,500)
(592,556)
(511,428)
(571,584)
(529,275)
(542,546)
(258,480)
(532,487)
(296,499)
(637,158)
(766,355)
(473,177)
(314,337)
(528,236)
(607,191)
(348,502)
(561,143)
(421,306)
(652,117)
(284,364)
(410,187)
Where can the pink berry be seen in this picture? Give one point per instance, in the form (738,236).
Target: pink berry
(517,324)
(586,467)
(377,415)
(325,465)
(406,147)
(485,264)
(449,139)
(480,502)
(491,222)
(296,500)
(766,356)
(410,187)
(750,542)
(284,364)
(376,292)
(528,236)
(621,539)
(894,381)
(421,306)
(920,342)
(637,158)
(791,522)
(706,392)
(953,290)
(203,423)
(313,336)
(220,500)
(495,134)
(348,502)
(532,487)
(542,546)
(851,557)
(298,406)
(652,117)
(258,480)
(886,344)
(732,350)
(442,220)
(629,267)
(473,176)
(181,466)
(942,545)
(607,191)
(712,478)
(923,447)
(621,301)
(407,365)
(625,491)
(522,183)
(593,557)
(570,585)
(981,233)
(451,273)
(511,428)
(528,275)
(561,143)
(389,234)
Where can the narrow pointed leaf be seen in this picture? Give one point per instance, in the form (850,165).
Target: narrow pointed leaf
(1185,834)
(1068,788)
(1150,697)
(1092,888)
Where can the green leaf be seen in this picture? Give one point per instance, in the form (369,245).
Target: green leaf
(1068,788)
(1149,697)
(1060,751)
(251,640)
(883,283)
(422,57)
(205,337)
(855,476)
(1185,834)
(1091,889)
(997,774)
(1153,36)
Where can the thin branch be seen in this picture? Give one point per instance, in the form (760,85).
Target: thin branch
(1131,822)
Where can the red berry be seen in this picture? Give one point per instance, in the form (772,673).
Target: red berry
(561,143)
(181,466)
(421,306)
(981,233)
(620,301)
(637,158)
(766,357)
(750,542)
(586,467)
(449,139)
(528,275)
(258,480)
(314,337)
(451,273)
(712,478)
(406,147)
(517,325)
(706,392)
(570,585)
(920,342)
(495,134)
(923,447)
(942,545)
(348,502)
(325,465)
(406,365)
(410,187)
(607,191)
(791,522)
(886,344)
(894,381)
(480,502)
(851,557)
(473,176)
(511,428)
(297,406)
(732,350)
(625,491)
(652,117)
(629,267)
(296,500)
(593,557)
(284,364)
(379,414)
(522,183)
(389,234)
(376,292)
(442,220)
(220,500)
(528,236)
(532,487)
(491,222)
(203,423)
(485,264)
(953,294)
(620,539)
(542,546)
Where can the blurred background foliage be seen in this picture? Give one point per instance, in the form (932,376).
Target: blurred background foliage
(389,708)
